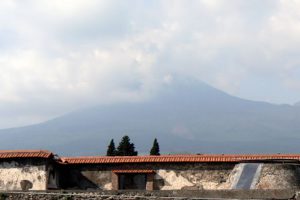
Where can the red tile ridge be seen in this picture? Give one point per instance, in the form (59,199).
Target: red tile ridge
(146,171)
(177,158)
(25,154)
(25,151)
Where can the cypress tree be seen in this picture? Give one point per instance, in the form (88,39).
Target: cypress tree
(111,150)
(132,150)
(155,148)
(126,148)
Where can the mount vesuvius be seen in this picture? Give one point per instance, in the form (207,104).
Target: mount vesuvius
(185,116)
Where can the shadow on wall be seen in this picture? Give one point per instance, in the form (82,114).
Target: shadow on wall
(26,185)
(159,182)
(77,181)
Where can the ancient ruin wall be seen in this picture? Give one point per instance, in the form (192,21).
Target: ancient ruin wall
(17,176)
(101,178)
(187,176)
(279,176)
(157,195)
(194,177)
(88,178)
(53,175)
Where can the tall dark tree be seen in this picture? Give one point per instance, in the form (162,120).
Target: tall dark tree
(155,148)
(126,148)
(111,150)
(132,150)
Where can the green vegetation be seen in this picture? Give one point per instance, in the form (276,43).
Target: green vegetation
(111,150)
(126,148)
(155,148)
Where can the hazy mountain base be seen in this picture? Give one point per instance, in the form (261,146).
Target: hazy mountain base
(187,116)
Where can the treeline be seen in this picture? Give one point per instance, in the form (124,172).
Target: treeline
(126,148)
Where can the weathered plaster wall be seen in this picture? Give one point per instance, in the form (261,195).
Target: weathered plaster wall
(101,178)
(234,176)
(210,177)
(90,177)
(185,176)
(18,175)
(279,176)
(175,176)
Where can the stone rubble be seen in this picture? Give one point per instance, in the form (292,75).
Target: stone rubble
(157,195)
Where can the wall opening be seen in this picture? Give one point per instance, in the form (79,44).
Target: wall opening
(129,181)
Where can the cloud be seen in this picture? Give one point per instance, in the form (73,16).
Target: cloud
(58,56)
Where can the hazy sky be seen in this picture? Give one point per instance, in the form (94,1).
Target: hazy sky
(59,55)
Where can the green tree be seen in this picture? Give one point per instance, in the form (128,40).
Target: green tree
(155,148)
(111,150)
(126,148)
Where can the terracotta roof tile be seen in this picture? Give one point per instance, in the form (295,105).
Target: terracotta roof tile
(25,154)
(177,158)
(133,171)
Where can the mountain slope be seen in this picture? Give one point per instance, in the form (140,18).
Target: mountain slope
(186,116)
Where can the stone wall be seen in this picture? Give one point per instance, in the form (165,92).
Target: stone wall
(279,176)
(191,179)
(158,195)
(22,175)
(87,177)
(175,176)
(183,176)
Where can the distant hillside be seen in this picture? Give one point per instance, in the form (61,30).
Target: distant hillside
(297,104)
(185,116)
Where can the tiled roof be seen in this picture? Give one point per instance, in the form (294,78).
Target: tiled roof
(133,171)
(25,154)
(177,158)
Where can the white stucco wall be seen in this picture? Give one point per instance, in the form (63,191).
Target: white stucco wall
(267,176)
(107,186)
(174,181)
(13,173)
(196,179)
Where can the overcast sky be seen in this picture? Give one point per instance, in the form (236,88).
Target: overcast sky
(60,55)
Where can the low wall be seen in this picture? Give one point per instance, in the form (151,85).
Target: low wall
(279,176)
(23,174)
(175,176)
(200,194)
(185,176)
